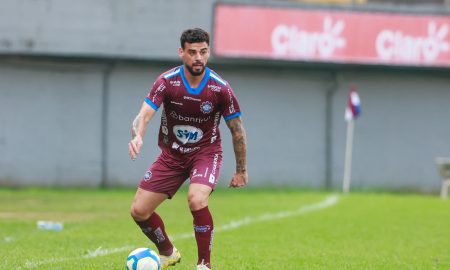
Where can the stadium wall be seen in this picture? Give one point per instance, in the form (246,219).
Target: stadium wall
(70,88)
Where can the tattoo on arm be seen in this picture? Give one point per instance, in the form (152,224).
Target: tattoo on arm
(239,143)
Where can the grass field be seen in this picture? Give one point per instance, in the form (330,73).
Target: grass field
(255,229)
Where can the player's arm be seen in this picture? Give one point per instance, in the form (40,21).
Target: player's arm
(138,129)
(240,178)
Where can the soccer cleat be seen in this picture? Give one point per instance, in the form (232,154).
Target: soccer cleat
(203,267)
(167,261)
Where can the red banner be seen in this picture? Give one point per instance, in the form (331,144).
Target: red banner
(331,36)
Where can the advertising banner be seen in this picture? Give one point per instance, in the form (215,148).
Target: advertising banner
(265,32)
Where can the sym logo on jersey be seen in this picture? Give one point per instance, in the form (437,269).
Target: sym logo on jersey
(187,134)
(206,107)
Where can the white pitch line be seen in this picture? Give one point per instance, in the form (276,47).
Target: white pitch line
(329,201)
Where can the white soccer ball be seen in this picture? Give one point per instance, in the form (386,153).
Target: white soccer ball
(143,259)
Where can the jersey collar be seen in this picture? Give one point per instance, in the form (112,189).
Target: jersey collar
(198,90)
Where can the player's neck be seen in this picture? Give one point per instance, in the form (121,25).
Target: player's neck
(194,81)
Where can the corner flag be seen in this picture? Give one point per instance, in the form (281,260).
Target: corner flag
(353,109)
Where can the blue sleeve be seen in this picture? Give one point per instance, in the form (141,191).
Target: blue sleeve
(228,117)
(153,105)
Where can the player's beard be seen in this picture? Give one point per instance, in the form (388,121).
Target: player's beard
(193,72)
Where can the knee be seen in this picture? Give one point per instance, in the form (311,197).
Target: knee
(138,213)
(197,201)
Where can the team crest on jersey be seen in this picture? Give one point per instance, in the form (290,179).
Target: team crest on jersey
(147,175)
(206,107)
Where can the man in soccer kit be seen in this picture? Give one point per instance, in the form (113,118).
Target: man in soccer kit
(194,99)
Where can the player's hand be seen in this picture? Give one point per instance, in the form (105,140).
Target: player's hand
(239,179)
(134,147)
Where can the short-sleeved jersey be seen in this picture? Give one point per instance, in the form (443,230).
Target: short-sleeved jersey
(191,117)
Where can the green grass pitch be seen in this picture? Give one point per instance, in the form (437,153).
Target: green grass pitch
(255,229)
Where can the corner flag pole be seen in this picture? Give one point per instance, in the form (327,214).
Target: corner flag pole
(348,156)
(352,111)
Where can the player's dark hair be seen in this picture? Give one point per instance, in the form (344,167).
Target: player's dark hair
(195,35)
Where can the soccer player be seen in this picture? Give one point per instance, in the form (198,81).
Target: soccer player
(194,99)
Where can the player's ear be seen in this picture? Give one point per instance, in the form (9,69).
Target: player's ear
(180,52)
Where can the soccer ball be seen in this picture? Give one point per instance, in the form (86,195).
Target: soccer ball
(143,259)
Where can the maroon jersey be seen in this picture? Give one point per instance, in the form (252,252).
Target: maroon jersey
(191,116)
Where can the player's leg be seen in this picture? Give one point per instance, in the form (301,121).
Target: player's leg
(143,212)
(203,178)
(198,196)
(160,182)
(152,225)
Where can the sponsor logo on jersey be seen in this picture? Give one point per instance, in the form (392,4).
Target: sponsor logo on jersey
(191,98)
(176,103)
(214,129)
(175,83)
(214,88)
(196,174)
(175,145)
(188,119)
(212,178)
(164,128)
(231,107)
(184,150)
(160,88)
(187,134)
(206,107)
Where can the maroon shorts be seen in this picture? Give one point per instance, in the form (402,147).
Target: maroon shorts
(168,172)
